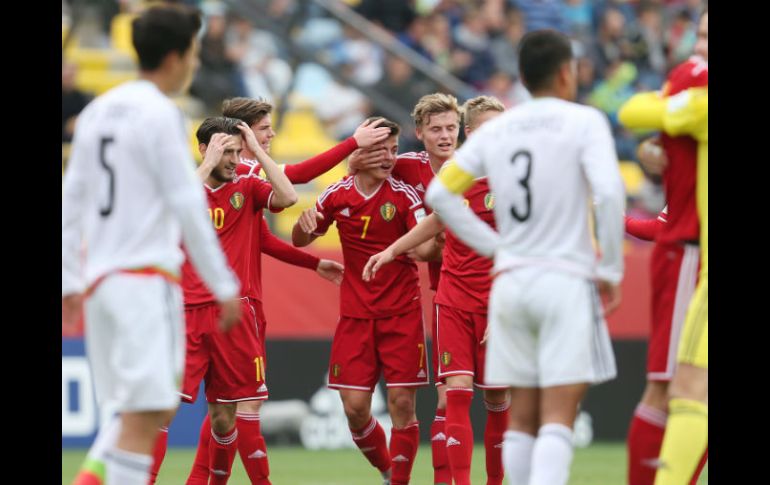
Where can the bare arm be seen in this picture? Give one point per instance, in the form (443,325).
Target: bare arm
(284,194)
(422,232)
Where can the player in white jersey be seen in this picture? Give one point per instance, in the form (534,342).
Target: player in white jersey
(130,197)
(548,160)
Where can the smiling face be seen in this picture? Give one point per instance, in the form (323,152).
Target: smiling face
(390,152)
(225,169)
(263,131)
(439,134)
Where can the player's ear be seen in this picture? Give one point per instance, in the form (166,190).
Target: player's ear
(202,149)
(418,133)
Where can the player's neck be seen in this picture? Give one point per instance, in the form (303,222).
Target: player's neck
(160,80)
(367,183)
(436,162)
(213,183)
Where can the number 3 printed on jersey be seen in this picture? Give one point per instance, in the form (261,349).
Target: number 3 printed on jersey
(522,213)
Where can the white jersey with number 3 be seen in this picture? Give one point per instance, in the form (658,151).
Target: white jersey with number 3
(548,160)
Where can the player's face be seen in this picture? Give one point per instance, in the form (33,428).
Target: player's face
(225,170)
(439,134)
(383,171)
(480,119)
(263,130)
(702,44)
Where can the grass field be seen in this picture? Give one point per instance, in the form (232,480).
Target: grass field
(599,464)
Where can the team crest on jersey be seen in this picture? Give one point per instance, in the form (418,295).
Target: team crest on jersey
(237,200)
(336,370)
(388,211)
(489,201)
(446,358)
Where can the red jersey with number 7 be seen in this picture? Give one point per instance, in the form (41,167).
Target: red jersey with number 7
(368,224)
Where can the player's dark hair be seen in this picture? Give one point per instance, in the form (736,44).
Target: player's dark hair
(541,55)
(395,129)
(214,125)
(162,29)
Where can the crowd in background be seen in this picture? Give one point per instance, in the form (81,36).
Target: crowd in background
(622,46)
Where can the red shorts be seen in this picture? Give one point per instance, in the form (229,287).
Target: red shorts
(459,349)
(261,325)
(232,364)
(363,347)
(674,270)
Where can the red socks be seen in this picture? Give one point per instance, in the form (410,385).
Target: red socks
(158,453)
(251,447)
(459,434)
(497,424)
(403,449)
(442,475)
(373,444)
(645,437)
(222,451)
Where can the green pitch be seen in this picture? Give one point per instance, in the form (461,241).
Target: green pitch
(600,464)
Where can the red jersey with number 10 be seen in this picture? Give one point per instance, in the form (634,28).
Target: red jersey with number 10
(465,275)
(367,225)
(232,208)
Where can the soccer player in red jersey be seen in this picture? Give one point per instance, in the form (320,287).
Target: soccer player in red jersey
(256,114)
(380,326)
(437,124)
(674,265)
(227,361)
(461,312)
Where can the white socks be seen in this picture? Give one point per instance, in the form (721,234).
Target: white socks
(552,455)
(517,456)
(127,468)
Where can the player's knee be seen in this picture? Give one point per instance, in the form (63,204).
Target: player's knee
(251,407)
(690,382)
(357,413)
(656,395)
(401,404)
(222,419)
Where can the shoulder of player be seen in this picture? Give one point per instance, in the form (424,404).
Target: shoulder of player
(690,73)
(404,190)
(339,187)
(413,158)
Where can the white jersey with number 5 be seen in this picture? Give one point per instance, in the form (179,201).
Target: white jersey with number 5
(131,194)
(548,161)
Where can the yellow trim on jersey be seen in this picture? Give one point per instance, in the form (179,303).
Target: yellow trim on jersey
(455,179)
(687,113)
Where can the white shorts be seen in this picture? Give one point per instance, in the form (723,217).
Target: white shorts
(135,342)
(546,329)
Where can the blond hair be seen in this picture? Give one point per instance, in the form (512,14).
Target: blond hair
(432,104)
(480,104)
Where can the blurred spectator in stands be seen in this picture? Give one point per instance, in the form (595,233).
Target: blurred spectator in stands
(342,108)
(414,36)
(586,79)
(493,13)
(219,75)
(364,56)
(472,38)
(607,47)
(394,15)
(264,73)
(438,40)
(646,40)
(578,16)
(609,95)
(680,38)
(73,100)
(508,90)
(542,14)
(402,84)
(505,47)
